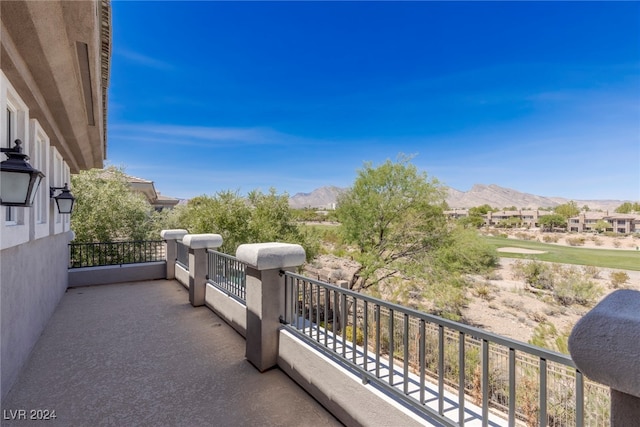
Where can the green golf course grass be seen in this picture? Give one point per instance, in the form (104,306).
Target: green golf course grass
(607,258)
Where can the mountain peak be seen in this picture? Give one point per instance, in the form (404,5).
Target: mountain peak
(320,198)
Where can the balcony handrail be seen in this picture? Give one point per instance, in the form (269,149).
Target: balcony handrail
(400,365)
(228,274)
(461,327)
(97,254)
(182,255)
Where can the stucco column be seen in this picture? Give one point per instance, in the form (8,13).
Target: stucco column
(265,296)
(605,345)
(171,238)
(198,245)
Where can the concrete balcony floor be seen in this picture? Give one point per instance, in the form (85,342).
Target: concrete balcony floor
(138,354)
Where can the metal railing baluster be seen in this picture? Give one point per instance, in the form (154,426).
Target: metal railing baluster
(579,399)
(512,387)
(543,392)
(391,346)
(97,254)
(365,333)
(441,369)
(485,383)
(474,351)
(377,320)
(405,351)
(421,356)
(461,377)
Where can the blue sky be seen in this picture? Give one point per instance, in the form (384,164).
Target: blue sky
(540,97)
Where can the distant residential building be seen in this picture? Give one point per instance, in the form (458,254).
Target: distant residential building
(165,202)
(148,189)
(617,223)
(527,218)
(585,222)
(457,213)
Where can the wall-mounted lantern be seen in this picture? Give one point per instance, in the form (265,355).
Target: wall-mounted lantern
(64,199)
(19,181)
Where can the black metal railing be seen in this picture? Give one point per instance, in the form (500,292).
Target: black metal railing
(450,371)
(115,253)
(227,274)
(182,255)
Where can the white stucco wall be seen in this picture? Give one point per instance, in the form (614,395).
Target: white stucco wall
(33,278)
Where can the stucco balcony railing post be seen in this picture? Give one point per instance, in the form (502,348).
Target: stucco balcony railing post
(605,345)
(198,245)
(171,238)
(265,291)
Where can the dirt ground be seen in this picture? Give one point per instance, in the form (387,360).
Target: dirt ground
(509,309)
(513,311)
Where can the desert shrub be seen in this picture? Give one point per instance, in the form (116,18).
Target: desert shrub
(330,235)
(493,275)
(348,334)
(484,291)
(340,252)
(537,316)
(338,274)
(524,236)
(518,269)
(554,310)
(550,238)
(539,275)
(616,243)
(576,289)
(447,294)
(575,241)
(597,241)
(591,271)
(547,336)
(618,279)
(516,305)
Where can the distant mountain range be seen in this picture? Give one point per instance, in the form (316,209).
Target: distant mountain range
(320,198)
(493,195)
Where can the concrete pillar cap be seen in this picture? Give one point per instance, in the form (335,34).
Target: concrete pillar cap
(605,343)
(173,234)
(268,256)
(202,241)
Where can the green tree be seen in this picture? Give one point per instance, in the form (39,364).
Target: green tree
(226,214)
(567,210)
(308,215)
(272,219)
(601,226)
(255,219)
(471,221)
(463,251)
(549,222)
(475,219)
(106,209)
(512,222)
(393,215)
(628,207)
(480,210)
